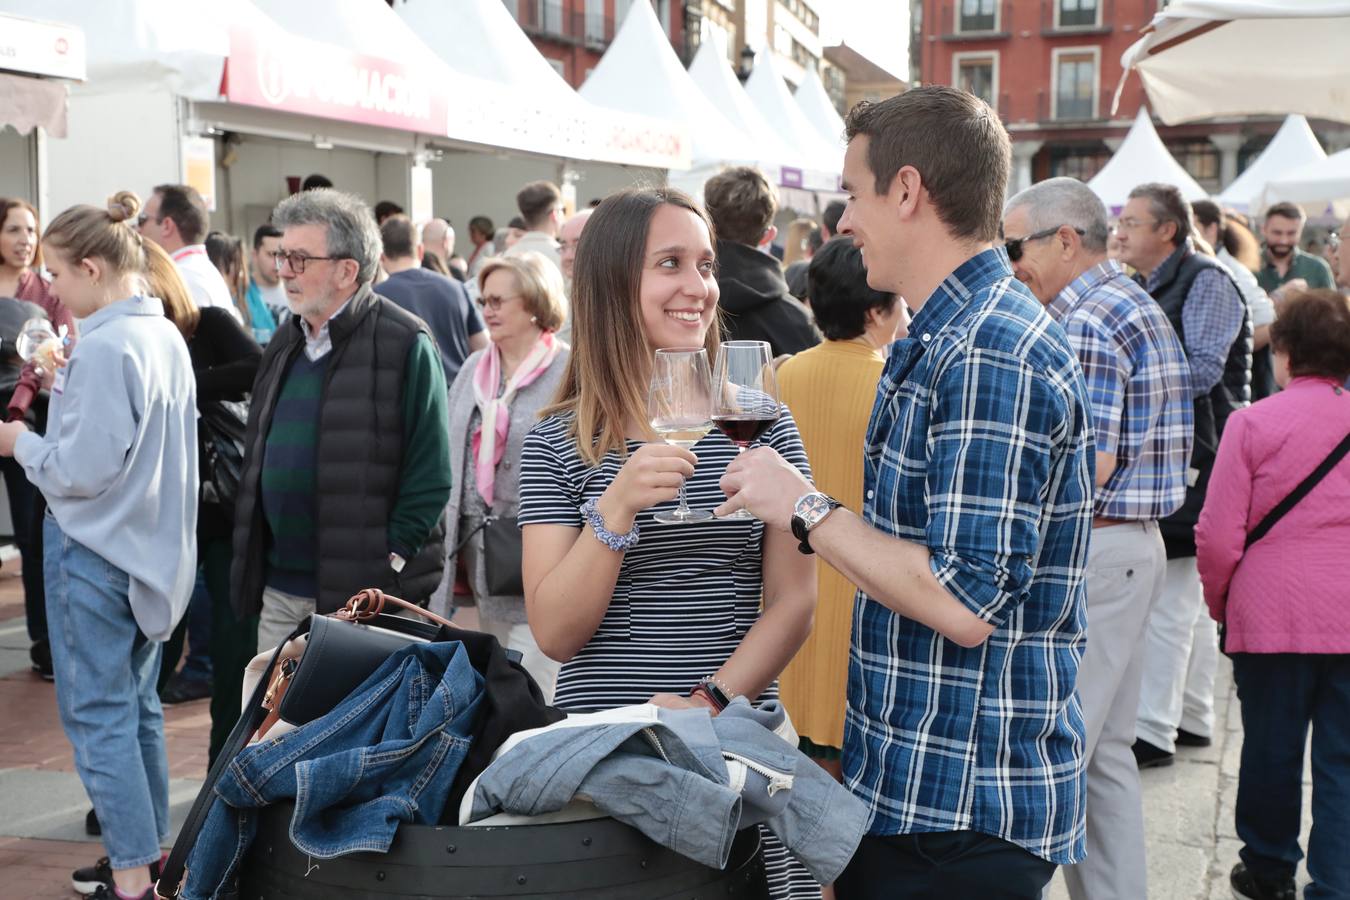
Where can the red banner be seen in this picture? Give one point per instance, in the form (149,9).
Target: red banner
(297,75)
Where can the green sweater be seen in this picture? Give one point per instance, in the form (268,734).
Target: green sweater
(288,472)
(425,483)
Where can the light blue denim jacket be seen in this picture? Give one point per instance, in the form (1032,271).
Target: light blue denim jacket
(687,780)
(387,754)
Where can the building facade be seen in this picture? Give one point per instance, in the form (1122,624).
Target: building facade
(573,34)
(850,78)
(1050,68)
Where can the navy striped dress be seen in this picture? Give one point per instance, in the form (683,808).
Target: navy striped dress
(686,594)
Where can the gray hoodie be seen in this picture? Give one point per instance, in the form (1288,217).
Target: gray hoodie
(118,464)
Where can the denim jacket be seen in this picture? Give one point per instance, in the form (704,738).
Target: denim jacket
(687,780)
(387,754)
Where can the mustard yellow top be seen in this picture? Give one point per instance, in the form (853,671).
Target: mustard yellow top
(830,390)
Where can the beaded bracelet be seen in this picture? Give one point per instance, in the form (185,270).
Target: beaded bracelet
(616,542)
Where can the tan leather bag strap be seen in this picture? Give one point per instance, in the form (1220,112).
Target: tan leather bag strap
(368,604)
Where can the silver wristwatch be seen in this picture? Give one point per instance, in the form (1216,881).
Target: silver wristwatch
(808,512)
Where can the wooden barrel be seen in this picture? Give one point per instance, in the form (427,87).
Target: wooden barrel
(601,859)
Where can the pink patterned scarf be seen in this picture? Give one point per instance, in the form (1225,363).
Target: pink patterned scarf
(489,441)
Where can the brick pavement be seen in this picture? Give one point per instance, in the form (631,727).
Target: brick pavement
(32,744)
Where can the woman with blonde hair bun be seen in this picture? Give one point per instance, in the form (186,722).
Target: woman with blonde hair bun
(118,466)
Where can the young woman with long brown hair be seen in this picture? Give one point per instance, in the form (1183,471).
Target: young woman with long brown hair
(724,600)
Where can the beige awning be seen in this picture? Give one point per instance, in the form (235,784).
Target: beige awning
(28,102)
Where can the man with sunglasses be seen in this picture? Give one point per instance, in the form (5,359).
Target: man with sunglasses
(1209,314)
(176,218)
(1138,385)
(347,454)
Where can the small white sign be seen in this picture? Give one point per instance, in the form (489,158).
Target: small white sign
(199,167)
(53,49)
(421,194)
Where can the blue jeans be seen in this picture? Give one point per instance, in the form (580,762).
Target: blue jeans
(197,666)
(105,694)
(1282,694)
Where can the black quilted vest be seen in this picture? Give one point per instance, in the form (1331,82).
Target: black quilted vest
(1212,410)
(360,451)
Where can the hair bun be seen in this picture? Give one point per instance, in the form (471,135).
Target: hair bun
(123,206)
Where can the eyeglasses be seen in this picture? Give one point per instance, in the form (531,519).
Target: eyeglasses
(298,261)
(1014,245)
(143,218)
(494,303)
(1131,224)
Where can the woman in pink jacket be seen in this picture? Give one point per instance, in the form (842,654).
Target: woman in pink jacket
(1285,603)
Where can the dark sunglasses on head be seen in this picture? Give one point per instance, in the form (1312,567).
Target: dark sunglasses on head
(1014,245)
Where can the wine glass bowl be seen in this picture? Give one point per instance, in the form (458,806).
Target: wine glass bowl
(745,392)
(36,338)
(679,408)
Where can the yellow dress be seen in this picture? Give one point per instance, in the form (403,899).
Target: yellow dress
(830,390)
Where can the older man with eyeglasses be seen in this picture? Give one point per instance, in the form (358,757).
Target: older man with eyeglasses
(1138,385)
(347,455)
(1205,307)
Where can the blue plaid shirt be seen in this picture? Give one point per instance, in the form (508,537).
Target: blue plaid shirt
(979,447)
(1139,385)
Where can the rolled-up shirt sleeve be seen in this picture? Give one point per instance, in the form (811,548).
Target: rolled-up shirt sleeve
(1211,319)
(993,427)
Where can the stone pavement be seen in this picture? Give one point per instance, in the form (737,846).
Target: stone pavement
(1188,807)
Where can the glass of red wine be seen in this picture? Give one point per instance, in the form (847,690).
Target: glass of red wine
(745,394)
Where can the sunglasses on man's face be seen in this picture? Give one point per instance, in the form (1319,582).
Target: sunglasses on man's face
(1014,245)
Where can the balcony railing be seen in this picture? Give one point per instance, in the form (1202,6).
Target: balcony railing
(550,19)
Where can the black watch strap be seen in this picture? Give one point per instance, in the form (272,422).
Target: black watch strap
(802,534)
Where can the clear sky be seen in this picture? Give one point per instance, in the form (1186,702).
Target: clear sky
(878,29)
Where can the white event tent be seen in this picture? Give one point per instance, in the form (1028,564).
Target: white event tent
(529,106)
(768,91)
(640,73)
(815,104)
(1293,147)
(1321,187)
(1196,59)
(800,179)
(1142,157)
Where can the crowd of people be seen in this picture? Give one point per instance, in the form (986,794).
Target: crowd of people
(1053,461)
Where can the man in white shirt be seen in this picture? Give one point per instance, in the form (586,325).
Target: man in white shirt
(175,217)
(540,205)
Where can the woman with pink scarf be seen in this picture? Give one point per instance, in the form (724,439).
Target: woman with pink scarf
(494,402)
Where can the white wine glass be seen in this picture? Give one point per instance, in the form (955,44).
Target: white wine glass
(33,334)
(679,407)
(746,395)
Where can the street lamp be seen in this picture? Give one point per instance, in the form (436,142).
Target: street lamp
(747,63)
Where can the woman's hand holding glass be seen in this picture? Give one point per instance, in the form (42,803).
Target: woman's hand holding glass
(653,475)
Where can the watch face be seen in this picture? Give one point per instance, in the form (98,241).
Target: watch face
(812,508)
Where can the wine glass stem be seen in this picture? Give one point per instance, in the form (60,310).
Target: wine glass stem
(683,511)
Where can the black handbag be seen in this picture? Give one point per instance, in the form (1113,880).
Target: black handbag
(220,433)
(501,555)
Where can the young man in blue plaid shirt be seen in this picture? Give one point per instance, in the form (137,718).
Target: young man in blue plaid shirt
(964,733)
(1139,386)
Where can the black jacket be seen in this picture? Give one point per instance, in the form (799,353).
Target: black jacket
(1233,392)
(225,360)
(756,305)
(360,453)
